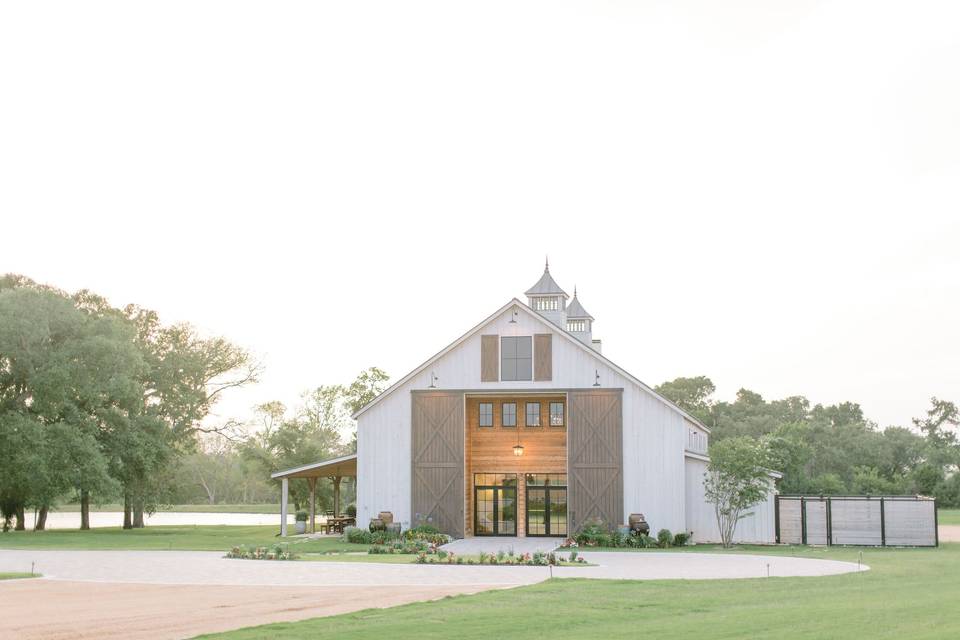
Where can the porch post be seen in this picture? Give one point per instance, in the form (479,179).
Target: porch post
(313,505)
(336,496)
(284,491)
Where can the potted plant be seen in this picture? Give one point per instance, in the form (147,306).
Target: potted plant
(301,519)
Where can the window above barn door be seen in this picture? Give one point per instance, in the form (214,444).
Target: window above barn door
(516,358)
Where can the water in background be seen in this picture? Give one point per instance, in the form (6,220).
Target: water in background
(62,520)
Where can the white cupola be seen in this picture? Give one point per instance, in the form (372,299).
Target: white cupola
(548,299)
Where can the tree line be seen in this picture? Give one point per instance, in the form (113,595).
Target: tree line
(834,450)
(102,404)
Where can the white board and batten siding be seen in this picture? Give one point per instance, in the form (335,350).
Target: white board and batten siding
(654,434)
(759,527)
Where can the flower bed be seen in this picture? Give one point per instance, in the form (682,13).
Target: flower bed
(595,534)
(538,559)
(275,552)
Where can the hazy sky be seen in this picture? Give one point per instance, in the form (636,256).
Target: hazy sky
(762,192)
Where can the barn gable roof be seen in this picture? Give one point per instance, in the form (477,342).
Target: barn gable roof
(564,335)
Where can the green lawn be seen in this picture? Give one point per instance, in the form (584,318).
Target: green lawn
(909,593)
(949,516)
(186,508)
(17,576)
(194,538)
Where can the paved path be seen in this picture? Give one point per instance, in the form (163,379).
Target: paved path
(949,532)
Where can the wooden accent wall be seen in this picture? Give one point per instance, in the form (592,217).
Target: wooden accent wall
(543,356)
(489,358)
(490,449)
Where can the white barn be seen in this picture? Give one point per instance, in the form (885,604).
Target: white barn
(523,427)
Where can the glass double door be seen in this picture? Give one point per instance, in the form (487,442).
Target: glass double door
(495,504)
(546,505)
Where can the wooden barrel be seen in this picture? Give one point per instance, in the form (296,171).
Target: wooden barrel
(386,516)
(376,524)
(639,523)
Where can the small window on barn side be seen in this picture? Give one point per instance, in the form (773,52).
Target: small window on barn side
(556,414)
(533,414)
(509,417)
(486,414)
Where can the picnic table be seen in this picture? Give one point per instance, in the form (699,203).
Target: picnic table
(335,524)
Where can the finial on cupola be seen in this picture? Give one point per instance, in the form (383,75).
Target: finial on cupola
(546,266)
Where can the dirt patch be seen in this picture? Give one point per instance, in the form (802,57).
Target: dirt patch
(54,609)
(949,532)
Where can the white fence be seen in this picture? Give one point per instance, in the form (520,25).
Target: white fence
(903,521)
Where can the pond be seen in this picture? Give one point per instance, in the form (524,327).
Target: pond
(68,520)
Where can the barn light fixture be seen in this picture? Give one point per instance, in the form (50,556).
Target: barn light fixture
(596,378)
(513,316)
(518,449)
(433,380)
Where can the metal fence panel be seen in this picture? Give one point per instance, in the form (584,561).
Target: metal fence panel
(857,520)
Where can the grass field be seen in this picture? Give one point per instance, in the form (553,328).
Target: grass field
(17,576)
(909,593)
(185,508)
(183,538)
(949,516)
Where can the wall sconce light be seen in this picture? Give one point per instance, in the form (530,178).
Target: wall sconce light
(596,378)
(513,316)
(433,380)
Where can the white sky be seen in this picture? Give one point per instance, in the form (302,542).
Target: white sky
(762,192)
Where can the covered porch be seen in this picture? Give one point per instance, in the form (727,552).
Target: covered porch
(335,469)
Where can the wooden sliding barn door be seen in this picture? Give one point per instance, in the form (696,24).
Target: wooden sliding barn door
(437,491)
(595,457)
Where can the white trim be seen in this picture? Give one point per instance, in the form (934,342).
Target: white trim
(696,456)
(555,329)
(313,465)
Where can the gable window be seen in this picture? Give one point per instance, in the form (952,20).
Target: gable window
(576,325)
(556,414)
(486,414)
(533,414)
(516,358)
(509,414)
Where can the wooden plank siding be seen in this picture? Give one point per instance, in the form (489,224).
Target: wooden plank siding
(489,358)
(437,461)
(490,449)
(595,450)
(542,357)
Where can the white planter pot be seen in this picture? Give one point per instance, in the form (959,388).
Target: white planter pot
(301,527)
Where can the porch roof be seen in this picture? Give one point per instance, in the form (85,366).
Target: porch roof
(344,467)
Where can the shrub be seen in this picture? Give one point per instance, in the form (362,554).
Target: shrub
(664,538)
(301,516)
(681,539)
(383,537)
(356,535)
(352,511)
(594,534)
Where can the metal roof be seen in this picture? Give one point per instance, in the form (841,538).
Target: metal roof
(575,310)
(546,285)
(342,466)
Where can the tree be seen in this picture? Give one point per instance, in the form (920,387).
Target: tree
(737,479)
(692,395)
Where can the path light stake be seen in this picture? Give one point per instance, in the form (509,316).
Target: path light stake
(32,567)
(768,569)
